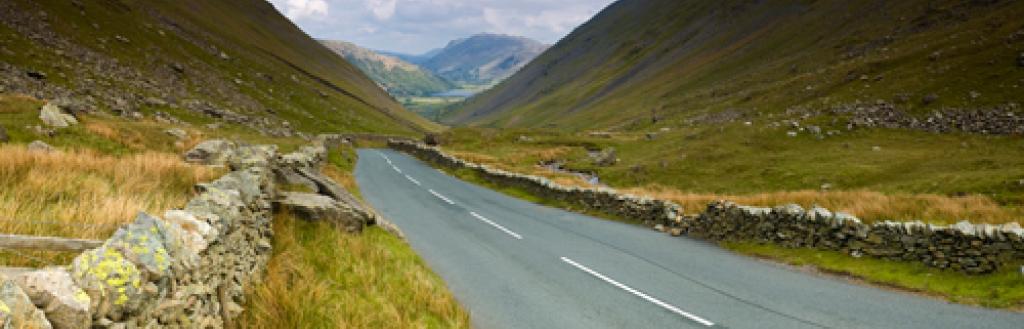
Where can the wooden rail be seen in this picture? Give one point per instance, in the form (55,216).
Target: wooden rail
(21,242)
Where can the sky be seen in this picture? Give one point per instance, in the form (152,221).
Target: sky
(417,26)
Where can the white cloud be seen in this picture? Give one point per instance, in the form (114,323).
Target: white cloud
(415,26)
(299,9)
(382,9)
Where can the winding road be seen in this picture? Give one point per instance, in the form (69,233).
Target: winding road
(514,264)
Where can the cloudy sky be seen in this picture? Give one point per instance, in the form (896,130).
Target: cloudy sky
(416,26)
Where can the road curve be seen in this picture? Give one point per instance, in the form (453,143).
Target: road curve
(515,264)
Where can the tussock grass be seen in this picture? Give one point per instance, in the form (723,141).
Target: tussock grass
(84,194)
(322,278)
(869,205)
(1003,289)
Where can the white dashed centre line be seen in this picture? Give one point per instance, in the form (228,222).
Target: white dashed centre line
(396,169)
(439,196)
(413,180)
(637,293)
(497,226)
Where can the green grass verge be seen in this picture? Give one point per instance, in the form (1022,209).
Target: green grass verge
(1003,289)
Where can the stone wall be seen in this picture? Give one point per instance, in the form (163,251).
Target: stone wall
(186,269)
(974,249)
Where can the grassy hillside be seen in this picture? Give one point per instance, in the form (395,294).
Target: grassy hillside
(655,63)
(396,76)
(237,61)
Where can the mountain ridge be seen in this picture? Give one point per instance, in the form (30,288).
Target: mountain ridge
(395,75)
(642,63)
(484,58)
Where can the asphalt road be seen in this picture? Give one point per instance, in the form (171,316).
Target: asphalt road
(514,264)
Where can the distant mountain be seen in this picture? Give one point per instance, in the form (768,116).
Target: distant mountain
(484,58)
(415,59)
(641,63)
(396,76)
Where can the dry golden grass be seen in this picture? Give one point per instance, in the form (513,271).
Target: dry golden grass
(345,179)
(139,136)
(321,278)
(868,205)
(83,194)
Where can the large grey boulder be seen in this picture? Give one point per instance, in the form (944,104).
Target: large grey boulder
(211,152)
(328,187)
(17,310)
(53,116)
(65,304)
(315,207)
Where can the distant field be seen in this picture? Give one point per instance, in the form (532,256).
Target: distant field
(874,174)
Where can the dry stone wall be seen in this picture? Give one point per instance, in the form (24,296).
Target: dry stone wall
(966,247)
(186,269)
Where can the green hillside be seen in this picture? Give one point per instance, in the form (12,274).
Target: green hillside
(235,61)
(396,76)
(644,63)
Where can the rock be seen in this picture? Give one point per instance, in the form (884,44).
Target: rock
(36,75)
(876,148)
(315,207)
(112,282)
(40,146)
(3,135)
(178,133)
(974,94)
(930,98)
(791,134)
(826,187)
(198,233)
(53,116)
(524,139)
(224,56)
(143,243)
(65,304)
(178,68)
(17,310)
(155,102)
(604,158)
(814,130)
(433,139)
(211,152)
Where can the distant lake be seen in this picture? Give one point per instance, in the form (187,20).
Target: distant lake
(456,93)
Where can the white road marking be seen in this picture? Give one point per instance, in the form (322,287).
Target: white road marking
(396,169)
(439,196)
(413,180)
(496,225)
(640,294)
